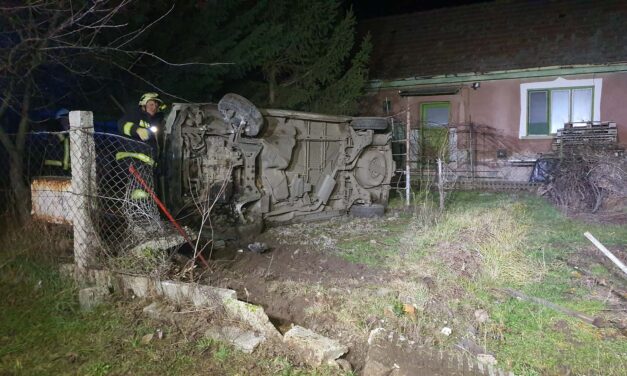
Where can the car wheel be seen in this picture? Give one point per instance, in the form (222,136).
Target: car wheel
(374,123)
(371,169)
(363,211)
(237,110)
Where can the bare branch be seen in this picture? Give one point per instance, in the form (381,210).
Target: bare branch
(142,30)
(131,52)
(149,83)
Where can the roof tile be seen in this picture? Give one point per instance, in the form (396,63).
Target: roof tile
(500,35)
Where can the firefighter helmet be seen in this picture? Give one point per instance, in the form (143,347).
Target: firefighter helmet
(152,97)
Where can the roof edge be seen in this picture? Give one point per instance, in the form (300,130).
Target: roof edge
(566,70)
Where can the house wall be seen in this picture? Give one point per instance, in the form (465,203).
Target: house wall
(494,109)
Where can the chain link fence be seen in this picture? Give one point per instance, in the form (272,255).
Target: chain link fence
(103,185)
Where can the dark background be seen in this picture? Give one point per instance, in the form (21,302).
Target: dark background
(365,9)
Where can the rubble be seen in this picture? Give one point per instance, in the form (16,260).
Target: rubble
(313,348)
(243,340)
(90,297)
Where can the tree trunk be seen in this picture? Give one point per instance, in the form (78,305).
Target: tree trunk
(19,186)
(21,196)
(271,86)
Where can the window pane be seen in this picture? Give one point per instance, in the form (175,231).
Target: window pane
(538,122)
(560,106)
(436,116)
(582,105)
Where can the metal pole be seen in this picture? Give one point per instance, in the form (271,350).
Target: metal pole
(606,252)
(407,151)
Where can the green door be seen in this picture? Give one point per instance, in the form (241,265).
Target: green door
(434,118)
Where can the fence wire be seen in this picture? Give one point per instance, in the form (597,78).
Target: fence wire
(129,232)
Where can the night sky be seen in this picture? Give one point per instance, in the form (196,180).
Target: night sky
(378,8)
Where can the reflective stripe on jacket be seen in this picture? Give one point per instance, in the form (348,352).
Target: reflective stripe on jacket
(139,156)
(64,163)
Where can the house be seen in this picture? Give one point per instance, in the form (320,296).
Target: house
(504,75)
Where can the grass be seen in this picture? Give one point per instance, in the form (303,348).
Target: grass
(517,241)
(524,335)
(479,245)
(43,330)
(531,344)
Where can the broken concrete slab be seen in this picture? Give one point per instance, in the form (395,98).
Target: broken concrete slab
(252,315)
(157,244)
(313,348)
(198,295)
(90,297)
(139,286)
(202,296)
(87,277)
(192,293)
(243,340)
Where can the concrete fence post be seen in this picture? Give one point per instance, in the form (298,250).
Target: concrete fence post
(83,162)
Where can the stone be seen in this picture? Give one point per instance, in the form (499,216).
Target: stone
(471,346)
(344,365)
(147,338)
(199,295)
(251,315)
(487,359)
(314,349)
(158,311)
(481,316)
(243,340)
(90,297)
(375,334)
(139,286)
(446,331)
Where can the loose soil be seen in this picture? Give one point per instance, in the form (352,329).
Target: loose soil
(274,278)
(302,271)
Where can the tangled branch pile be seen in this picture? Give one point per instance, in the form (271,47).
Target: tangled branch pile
(585,180)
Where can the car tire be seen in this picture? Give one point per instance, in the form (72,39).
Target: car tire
(366,123)
(236,109)
(363,211)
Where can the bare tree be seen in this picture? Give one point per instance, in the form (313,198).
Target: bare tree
(39,39)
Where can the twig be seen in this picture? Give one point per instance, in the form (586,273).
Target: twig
(269,266)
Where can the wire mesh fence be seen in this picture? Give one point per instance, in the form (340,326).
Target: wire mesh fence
(103,185)
(474,155)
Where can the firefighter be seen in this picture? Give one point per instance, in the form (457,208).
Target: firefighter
(62,138)
(142,124)
(145,122)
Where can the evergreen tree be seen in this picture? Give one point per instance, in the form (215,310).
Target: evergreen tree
(308,65)
(294,54)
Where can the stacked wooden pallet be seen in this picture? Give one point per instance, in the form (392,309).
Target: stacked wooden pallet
(597,134)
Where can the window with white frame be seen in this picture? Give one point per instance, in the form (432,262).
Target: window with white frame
(546,106)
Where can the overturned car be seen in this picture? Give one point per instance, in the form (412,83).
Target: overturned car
(274,166)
